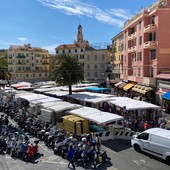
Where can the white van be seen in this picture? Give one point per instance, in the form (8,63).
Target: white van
(155,141)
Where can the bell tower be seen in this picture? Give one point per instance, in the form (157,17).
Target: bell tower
(80,34)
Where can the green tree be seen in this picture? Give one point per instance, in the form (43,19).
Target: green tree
(68,71)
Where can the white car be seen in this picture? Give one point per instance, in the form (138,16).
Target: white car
(155,141)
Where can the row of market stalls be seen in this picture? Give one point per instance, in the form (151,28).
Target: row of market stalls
(132,89)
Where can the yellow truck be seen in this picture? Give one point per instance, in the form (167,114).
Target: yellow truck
(74,124)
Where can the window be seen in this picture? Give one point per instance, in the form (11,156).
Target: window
(27,61)
(63,51)
(95,57)
(75,50)
(139,56)
(95,66)
(39,74)
(88,66)
(88,58)
(153,19)
(56,51)
(88,74)
(144,136)
(32,64)
(153,54)
(139,72)
(133,55)
(103,57)
(132,30)
(69,51)
(81,50)
(140,40)
(27,75)
(139,25)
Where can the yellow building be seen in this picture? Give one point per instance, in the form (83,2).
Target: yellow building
(117,46)
(26,63)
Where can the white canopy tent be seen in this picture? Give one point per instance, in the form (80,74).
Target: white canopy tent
(131,104)
(45,100)
(46,105)
(57,93)
(91,97)
(63,106)
(32,96)
(95,115)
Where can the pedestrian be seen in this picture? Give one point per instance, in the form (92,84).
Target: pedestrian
(163,125)
(70,156)
(98,142)
(146,125)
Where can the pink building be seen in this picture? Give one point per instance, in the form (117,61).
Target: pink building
(147,44)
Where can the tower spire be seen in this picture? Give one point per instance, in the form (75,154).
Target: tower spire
(80,34)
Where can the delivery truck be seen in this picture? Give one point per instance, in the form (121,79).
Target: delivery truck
(73,124)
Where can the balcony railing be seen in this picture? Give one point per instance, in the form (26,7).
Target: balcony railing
(149,28)
(132,49)
(150,44)
(132,36)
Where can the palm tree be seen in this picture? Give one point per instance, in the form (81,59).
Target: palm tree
(68,72)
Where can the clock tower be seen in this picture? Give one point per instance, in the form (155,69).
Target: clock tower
(80,34)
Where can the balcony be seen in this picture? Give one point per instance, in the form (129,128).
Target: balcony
(149,28)
(150,45)
(117,71)
(132,49)
(132,36)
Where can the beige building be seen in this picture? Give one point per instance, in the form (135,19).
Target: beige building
(117,49)
(77,48)
(96,66)
(27,63)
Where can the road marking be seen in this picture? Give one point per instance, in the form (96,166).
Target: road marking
(59,163)
(137,162)
(112,168)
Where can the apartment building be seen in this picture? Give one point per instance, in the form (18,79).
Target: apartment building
(117,50)
(146,45)
(96,68)
(27,63)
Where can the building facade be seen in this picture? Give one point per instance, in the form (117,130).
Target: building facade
(95,65)
(117,50)
(146,44)
(26,63)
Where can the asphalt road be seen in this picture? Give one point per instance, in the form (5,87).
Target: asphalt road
(121,155)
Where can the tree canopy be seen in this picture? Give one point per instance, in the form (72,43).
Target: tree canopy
(68,71)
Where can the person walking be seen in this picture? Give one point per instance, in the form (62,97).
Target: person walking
(98,143)
(70,156)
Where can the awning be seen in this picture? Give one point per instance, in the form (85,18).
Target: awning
(122,85)
(114,81)
(163,76)
(141,89)
(166,95)
(129,86)
(119,83)
(162,91)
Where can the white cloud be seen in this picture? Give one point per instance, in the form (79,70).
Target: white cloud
(23,39)
(115,17)
(51,48)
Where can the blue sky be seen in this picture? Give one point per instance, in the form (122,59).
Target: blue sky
(49,23)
